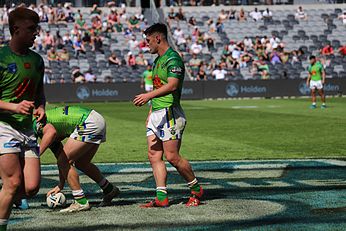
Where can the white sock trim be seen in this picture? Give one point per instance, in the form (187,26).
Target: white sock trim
(192,183)
(3,221)
(78,193)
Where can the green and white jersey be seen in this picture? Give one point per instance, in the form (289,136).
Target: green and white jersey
(20,77)
(64,119)
(170,64)
(148,77)
(316,71)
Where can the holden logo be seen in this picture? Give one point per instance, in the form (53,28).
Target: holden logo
(232,89)
(303,88)
(83,92)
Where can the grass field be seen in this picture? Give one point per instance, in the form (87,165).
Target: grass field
(231,130)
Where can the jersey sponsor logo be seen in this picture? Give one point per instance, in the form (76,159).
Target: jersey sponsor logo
(11,144)
(27,65)
(176,70)
(313,72)
(157,82)
(12,68)
(173,131)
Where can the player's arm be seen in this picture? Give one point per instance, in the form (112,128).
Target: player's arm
(323,76)
(308,79)
(40,99)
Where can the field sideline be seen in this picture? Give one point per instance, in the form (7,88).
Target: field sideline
(231,130)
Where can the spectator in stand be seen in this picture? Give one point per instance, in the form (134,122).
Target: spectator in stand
(300,14)
(256,15)
(201,75)
(48,41)
(133,23)
(275,57)
(295,57)
(113,17)
(63,55)
(194,64)
(327,50)
(342,50)
(223,15)
(78,46)
(262,68)
(210,44)
(86,39)
(131,60)
(90,77)
(140,60)
(211,26)
(178,32)
(248,44)
(97,44)
(343,17)
(232,15)
(211,66)
(51,15)
(60,13)
(96,25)
(180,16)
(43,13)
(114,60)
(241,16)
(219,26)
(95,10)
(196,48)
(77,76)
(4,15)
(69,15)
(67,39)
(267,15)
(245,59)
(52,55)
(133,44)
(58,41)
(143,46)
(109,30)
(274,42)
(219,73)
(119,27)
(171,15)
(80,23)
(192,21)
(39,41)
(231,46)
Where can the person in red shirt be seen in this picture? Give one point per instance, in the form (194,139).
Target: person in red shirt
(342,50)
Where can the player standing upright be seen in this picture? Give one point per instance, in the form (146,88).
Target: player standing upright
(316,80)
(21,95)
(85,129)
(147,79)
(166,120)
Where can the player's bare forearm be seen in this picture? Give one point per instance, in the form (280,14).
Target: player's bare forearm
(324,77)
(25,107)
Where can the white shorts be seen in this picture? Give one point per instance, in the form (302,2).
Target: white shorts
(167,124)
(14,141)
(93,129)
(316,84)
(149,88)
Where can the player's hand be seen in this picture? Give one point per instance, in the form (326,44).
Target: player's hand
(53,191)
(25,107)
(39,113)
(141,99)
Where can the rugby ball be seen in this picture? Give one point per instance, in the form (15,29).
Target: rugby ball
(56,200)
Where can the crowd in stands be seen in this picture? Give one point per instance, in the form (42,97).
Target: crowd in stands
(257,53)
(86,34)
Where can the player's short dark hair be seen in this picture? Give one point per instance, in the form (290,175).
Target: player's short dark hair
(19,14)
(157,28)
(312,57)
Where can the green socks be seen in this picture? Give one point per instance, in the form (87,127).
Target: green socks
(79,196)
(161,193)
(194,186)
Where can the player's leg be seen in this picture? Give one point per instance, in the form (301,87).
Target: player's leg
(84,164)
(313,97)
(11,175)
(323,97)
(171,149)
(155,154)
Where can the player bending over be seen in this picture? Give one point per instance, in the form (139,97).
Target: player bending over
(85,129)
(166,120)
(316,80)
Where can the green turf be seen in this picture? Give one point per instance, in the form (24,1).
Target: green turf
(220,130)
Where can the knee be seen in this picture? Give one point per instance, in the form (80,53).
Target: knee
(173,158)
(31,191)
(12,185)
(154,156)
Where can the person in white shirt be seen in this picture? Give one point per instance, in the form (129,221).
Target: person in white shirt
(219,73)
(267,14)
(248,43)
(178,33)
(301,14)
(274,41)
(343,18)
(133,44)
(196,48)
(256,15)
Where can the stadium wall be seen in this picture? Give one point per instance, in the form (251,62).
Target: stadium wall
(101,92)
